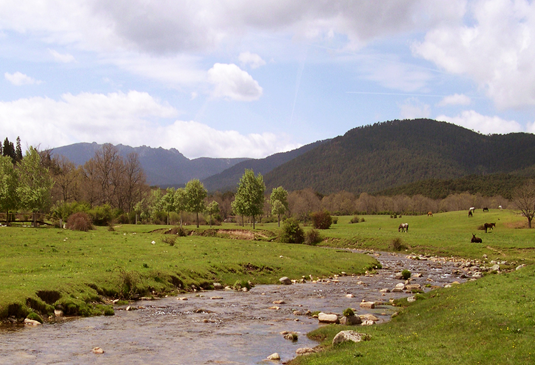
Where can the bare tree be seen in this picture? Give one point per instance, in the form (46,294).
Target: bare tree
(524,200)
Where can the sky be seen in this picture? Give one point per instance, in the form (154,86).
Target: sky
(242,78)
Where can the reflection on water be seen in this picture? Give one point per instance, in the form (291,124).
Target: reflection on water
(240,328)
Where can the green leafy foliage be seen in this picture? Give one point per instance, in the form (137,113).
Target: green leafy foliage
(321,220)
(291,232)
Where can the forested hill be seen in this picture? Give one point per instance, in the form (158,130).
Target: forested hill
(385,155)
(229,179)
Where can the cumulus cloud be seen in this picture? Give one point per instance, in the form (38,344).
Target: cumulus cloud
(231,82)
(251,59)
(413,108)
(482,123)
(127,118)
(497,51)
(61,57)
(455,99)
(19,79)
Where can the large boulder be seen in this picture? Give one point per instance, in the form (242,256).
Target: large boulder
(345,336)
(285,280)
(327,318)
(350,320)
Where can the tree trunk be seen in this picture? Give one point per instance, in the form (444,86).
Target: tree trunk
(253,222)
(279,216)
(136,218)
(197,219)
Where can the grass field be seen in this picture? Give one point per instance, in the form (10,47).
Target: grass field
(43,267)
(489,321)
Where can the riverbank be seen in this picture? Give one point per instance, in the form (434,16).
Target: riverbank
(47,269)
(223,326)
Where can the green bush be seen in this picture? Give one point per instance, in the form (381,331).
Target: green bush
(335,220)
(355,219)
(321,220)
(101,215)
(291,232)
(313,237)
(398,245)
(348,312)
(405,274)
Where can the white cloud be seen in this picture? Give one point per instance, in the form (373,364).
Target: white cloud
(195,140)
(20,79)
(251,59)
(413,108)
(127,118)
(231,82)
(455,99)
(497,51)
(482,123)
(61,57)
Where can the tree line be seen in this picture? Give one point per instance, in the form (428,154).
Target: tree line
(113,188)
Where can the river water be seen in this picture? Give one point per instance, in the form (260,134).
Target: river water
(215,327)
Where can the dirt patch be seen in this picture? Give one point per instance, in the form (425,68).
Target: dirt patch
(517,225)
(237,234)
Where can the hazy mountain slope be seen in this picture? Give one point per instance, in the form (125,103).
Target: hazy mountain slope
(229,179)
(163,167)
(394,153)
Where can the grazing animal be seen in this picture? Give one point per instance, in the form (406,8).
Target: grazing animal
(429,214)
(403,227)
(485,209)
(476,239)
(470,214)
(489,226)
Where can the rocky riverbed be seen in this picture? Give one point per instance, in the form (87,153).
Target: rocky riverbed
(230,327)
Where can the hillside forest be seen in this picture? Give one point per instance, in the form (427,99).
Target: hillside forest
(112,189)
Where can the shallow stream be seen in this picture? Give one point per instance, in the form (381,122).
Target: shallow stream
(215,327)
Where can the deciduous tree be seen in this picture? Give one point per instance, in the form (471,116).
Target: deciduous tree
(249,199)
(278,195)
(524,200)
(8,186)
(195,193)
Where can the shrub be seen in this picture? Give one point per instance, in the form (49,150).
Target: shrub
(101,215)
(355,219)
(169,239)
(321,220)
(79,222)
(405,274)
(313,237)
(291,232)
(335,220)
(348,312)
(398,245)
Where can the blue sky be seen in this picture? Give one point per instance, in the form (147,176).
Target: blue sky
(251,78)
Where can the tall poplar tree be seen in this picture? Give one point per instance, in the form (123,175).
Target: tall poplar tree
(249,199)
(8,186)
(195,193)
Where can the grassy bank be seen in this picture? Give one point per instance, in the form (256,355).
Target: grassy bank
(44,268)
(489,321)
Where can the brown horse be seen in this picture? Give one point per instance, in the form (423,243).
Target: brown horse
(476,239)
(489,226)
(429,214)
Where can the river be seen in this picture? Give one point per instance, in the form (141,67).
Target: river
(216,327)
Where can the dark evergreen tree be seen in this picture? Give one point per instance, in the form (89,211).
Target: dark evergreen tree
(18,151)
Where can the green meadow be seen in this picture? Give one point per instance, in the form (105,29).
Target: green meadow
(488,321)
(45,267)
